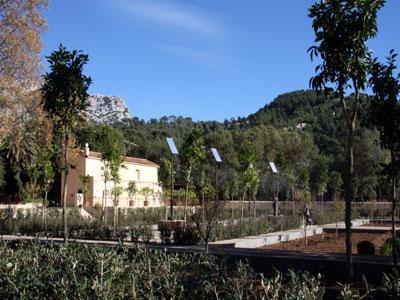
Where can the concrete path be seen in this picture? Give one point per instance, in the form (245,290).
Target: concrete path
(259,241)
(269,238)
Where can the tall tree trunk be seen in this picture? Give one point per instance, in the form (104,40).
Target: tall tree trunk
(350,117)
(349,196)
(186,200)
(293,204)
(187,192)
(103,204)
(242,206)
(393,196)
(43,209)
(115,210)
(66,167)
(254,207)
(249,203)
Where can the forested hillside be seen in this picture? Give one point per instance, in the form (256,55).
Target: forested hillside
(302,131)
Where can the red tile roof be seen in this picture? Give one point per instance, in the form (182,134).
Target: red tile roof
(132,160)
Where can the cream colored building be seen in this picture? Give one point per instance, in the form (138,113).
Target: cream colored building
(142,172)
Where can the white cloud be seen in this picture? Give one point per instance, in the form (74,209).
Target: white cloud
(199,56)
(172,14)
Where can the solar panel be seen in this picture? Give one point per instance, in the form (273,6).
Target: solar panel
(171,145)
(216,155)
(273,167)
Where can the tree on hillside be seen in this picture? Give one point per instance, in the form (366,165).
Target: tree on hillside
(385,115)
(342,28)
(192,154)
(64,99)
(21,28)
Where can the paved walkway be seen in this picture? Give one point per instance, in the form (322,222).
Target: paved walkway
(269,238)
(259,241)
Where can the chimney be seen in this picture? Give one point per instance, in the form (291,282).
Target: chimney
(87,150)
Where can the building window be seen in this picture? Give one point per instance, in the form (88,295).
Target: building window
(138,175)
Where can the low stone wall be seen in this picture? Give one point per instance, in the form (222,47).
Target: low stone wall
(299,205)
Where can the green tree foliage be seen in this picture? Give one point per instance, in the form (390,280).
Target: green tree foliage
(115,164)
(109,142)
(132,191)
(85,182)
(20,149)
(385,115)
(252,184)
(2,174)
(342,29)
(192,154)
(292,149)
(64,99)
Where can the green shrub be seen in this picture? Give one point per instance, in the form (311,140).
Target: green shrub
(386,248)
(33,271)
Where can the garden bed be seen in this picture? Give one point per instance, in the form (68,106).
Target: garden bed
(329,243)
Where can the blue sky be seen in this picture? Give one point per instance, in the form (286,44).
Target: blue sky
(205,59)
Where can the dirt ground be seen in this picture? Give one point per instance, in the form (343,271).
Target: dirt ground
(329,243)
(379,225)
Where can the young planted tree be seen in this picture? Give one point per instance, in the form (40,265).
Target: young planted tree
(116,163)
(385,115)
(32,187)
(116,192)
(247,158)
(112,149)
(85,182)
(342,29)
(234,186)
(166,179)
(146,192)
(322,184)
(47,179)
(192,154)
(65,98)
(205,219)
(132,191)
(336,184)
(252,185)
(304,195)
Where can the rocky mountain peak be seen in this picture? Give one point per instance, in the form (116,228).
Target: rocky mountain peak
(108,109)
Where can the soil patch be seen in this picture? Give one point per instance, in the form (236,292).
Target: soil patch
(328,242)
(378,225)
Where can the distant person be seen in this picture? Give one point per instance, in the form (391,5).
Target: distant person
(307,215)
(275,206)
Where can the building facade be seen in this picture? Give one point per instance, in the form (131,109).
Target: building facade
(142,172)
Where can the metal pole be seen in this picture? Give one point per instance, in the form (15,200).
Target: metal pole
(172,189)
(216,188)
